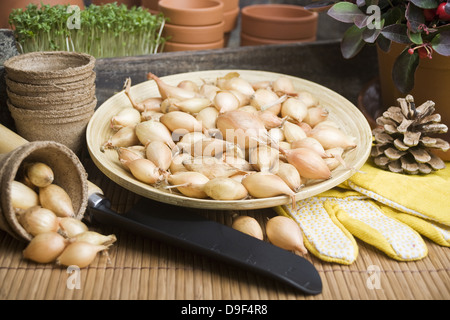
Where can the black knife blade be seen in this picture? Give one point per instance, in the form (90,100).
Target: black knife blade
(183,228)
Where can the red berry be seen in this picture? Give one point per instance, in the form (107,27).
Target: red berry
(423,53)
(440,11)
(429,14)
(411,51)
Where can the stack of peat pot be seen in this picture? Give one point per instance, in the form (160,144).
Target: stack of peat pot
(51,96)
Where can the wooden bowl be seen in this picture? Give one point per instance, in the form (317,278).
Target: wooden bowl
(170,46)
(350,119)
(192,12)
(278,21)
(194,34)
(247,40)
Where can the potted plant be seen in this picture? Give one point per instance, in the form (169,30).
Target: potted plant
(413,45)
(109,30)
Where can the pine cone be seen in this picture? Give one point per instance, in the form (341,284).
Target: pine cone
(403,140)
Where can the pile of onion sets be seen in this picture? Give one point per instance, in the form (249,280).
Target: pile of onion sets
(228,139)
(45,210)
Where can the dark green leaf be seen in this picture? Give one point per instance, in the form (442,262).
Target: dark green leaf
(441,43)
(346,12)
(352,42)
(426,4)
(397,33)
(383,43)
(404,70)
(415,17)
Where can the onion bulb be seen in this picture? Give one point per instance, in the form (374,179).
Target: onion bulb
(315,116)
(266,185)
(248,225)
(176,120)
(56,199)
(79,253)
(169,91)
(144,170)
(95,238)
(125,118)
(71,226)
(225,101)
(290,175)
(224,188)
(285,233)
(125,137)
(283,85)
(36,220)
(45,247)
(152,130)
(192,105)
(264,158)
(39,174)
(311,143)
(189,183)
(22,196)
(308,163)
(207,117)
(294,109)
(159,153)
(293,132)
(332,137)
(241,128)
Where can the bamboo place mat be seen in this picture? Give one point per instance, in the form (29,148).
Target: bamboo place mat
(141,268)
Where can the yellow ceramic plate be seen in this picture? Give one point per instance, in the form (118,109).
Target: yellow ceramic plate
(342,111)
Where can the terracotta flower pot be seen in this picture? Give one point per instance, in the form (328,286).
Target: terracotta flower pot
(231,18)
(192,12)
(278,21)
(152,5)
(174,46)
(230,5)
(247,40)
(194,34)
(6,7)
(432,80)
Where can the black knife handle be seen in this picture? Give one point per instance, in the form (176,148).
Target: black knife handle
(183,228)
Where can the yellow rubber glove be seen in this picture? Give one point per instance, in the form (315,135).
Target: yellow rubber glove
(330,220)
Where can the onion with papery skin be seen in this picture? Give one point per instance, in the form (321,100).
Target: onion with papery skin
(293,132)
(169,91)
(266,99)
(189,183)
(264,159)
(294,109)
(56,199)
(71,226)
(127,154)
(180,120)
(241,128)
(36,220)
(159,153)
(79,253)
(45,247)
(177,163)
(270,120)
(125,118)
(192,105)
(152,130)
(209,166)
(39,174)
(283,85)
(125,137)
(311,143)
(308,163)
(95,238)
(225,101)
(188,85)
(266,185)
(207,117)
(22,196)
(145,171)
(285,233)
(248,225)
(332,137)
(290,175)
(315,116)
(224,188)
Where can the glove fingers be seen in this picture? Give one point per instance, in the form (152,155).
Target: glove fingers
(440,234)
(365,220)
(323,235)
